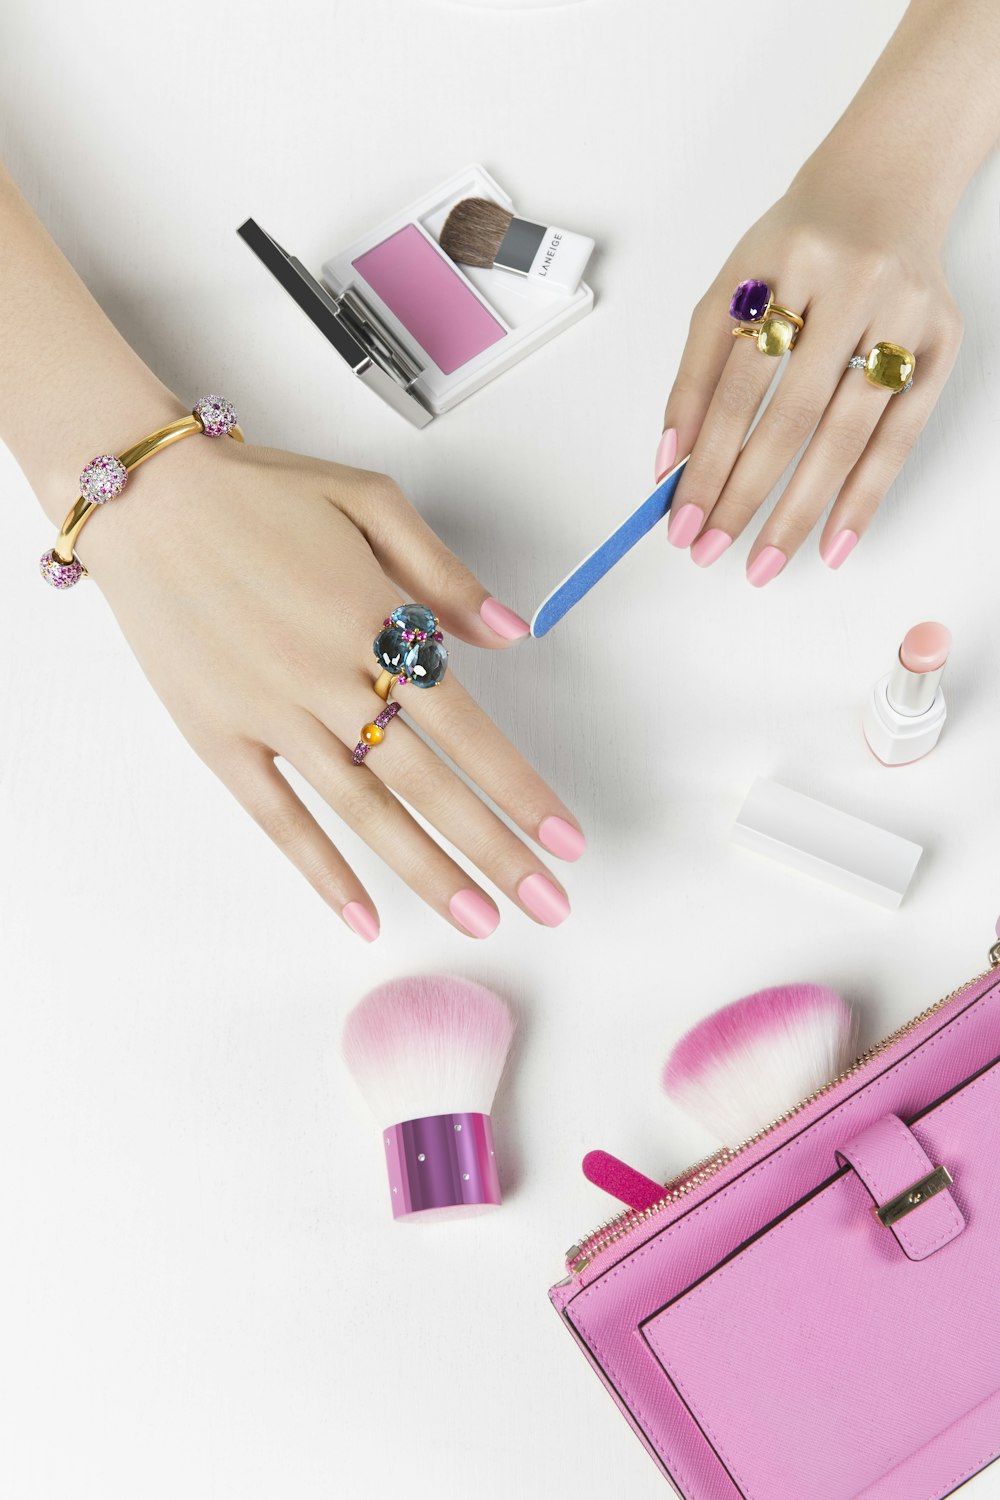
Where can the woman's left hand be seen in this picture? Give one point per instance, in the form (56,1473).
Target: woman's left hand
(860,272)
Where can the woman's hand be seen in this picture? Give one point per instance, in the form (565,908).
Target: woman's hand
(252,610)
(861,267)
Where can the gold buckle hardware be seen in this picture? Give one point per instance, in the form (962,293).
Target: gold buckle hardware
(928,1187)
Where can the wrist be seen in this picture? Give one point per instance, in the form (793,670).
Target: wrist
(883,196)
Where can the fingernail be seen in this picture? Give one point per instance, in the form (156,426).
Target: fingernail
(503,620)
(544,900)
(360,920)
(666,453)
(561,838)
(839,549)
(765,566)
(473,912)
(684,525)
(709,547)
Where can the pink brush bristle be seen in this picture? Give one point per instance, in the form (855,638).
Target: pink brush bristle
(428,1045)
(749,1062)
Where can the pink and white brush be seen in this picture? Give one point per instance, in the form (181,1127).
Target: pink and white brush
(428,1053)
(741,1068)
(750,1062)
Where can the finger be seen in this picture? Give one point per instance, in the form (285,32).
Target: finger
(469,737)
(706,350)
(742,386)
(260,788)
(797,406)
(897,431)
(368,807)
(416,773)
(426,571)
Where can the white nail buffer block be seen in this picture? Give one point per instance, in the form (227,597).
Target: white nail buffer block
(822,841)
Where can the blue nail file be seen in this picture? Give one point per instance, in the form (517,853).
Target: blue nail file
(604,557)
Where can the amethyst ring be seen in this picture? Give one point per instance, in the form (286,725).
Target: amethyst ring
(773,328)
(409,648)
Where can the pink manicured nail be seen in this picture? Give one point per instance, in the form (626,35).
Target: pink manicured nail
(836,551)
(684,525)
(666,453)
(473,912)
(709,547)
(503,620)
(765,566)
(360,920)
(564,841)
(544,900)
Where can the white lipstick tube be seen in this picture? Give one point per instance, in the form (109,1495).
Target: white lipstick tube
(905,712)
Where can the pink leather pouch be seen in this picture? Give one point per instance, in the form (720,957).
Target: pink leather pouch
(815,1315)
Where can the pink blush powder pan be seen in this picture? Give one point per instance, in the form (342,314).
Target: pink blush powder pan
(417,285)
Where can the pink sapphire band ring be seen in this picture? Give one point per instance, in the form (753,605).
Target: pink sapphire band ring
(374,733)
(105,477)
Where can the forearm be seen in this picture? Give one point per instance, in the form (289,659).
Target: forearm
(925,117)
(70,385)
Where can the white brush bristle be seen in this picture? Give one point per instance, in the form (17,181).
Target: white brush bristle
(745,1066)
(430,1045)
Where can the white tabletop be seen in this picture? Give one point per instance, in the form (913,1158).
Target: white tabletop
(202,1291)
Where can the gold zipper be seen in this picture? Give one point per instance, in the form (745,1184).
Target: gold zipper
(582,1254)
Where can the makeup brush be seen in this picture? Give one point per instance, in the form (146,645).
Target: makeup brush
(750,1062)
(427,1053)
(481,233)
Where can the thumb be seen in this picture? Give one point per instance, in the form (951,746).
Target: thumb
(427,572)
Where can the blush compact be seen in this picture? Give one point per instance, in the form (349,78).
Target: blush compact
(421,329)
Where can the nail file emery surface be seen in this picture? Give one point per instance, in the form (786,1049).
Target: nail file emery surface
(604,557)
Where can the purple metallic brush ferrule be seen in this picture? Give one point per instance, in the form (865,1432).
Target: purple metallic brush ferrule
(441,1162)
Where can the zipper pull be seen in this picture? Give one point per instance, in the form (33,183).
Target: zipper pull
(995,950)
(620,1180)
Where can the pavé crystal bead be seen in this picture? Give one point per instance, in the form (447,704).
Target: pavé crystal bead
(749,301)
(103,478)
(218,416)
(61,575)
(426,663)
(390,648)
(890,366)
(775,336)
(414,617)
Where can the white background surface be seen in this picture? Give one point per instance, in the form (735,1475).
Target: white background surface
(202,1292)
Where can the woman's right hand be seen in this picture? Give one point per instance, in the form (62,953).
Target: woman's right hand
(251,583)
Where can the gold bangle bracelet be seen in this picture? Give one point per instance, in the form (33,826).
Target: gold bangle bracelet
(105,476)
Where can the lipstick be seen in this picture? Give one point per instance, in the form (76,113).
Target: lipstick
(905,712)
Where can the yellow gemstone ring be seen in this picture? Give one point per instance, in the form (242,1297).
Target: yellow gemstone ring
(774,328)
(887,365)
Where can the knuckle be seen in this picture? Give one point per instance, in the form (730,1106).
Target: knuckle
(739,395)
(285,824)
(422,781)
(841,441)
(791,418)
(898,440)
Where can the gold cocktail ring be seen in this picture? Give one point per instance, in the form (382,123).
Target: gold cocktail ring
(774,328)
(409,648)
(887,365)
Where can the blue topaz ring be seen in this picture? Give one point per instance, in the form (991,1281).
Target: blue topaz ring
(409,648)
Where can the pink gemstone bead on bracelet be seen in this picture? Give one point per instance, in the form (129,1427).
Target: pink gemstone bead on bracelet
(106,476)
